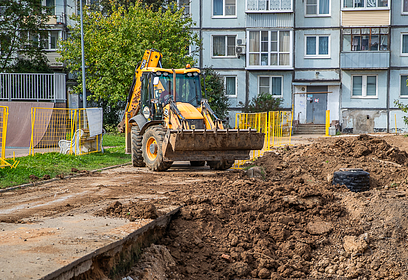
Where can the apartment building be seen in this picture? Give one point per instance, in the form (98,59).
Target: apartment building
(58,22)
(348,56)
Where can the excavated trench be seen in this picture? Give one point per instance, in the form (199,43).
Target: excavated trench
(287,222)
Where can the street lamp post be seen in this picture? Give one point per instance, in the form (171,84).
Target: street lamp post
(83,57)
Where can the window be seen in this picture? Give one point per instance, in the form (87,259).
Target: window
(365,4)
(2,10)
(51,6)
(224,8)
(269,48)
(364,86)
(405,6)
(269,5)
(404,88)
(230,85)
(48,41)
(317,7)
(186,5)
(365,39)
(317,46)
(224,45)
(270,85)
(5,44)
(404,44)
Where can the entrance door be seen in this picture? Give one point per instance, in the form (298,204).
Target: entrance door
(316,104)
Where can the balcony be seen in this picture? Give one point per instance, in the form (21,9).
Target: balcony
(365,60)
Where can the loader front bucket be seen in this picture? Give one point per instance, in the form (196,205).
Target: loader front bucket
(211,145)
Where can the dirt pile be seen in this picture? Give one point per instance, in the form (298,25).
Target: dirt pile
(295,224)
(131,210)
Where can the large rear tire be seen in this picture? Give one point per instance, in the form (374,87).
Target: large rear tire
(152,149)
(137,157)
(220,165)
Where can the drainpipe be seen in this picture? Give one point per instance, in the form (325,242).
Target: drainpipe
(201,33)
(389,72)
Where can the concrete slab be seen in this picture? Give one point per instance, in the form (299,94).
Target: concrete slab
(37,249)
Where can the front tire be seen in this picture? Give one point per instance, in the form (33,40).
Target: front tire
(220,165)
(152,149)
(137,157)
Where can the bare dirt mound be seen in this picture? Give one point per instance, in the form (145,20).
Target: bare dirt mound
(295,224)
(130,211)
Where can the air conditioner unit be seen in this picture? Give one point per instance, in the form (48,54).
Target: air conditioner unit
(240,50)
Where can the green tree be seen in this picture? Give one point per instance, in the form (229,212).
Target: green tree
(264,102)
(403,107)
(107,6)
(114,45)
(214,88)
(22,25)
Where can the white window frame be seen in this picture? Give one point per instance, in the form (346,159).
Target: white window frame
(236,85)
(268,10)
(189,7)
(270,84)
(402,42)
(317,55)
(364,86)
(400,89)
(223,10)
(365,6)
(226,46)
(402,8)
(289,67)
(317,11)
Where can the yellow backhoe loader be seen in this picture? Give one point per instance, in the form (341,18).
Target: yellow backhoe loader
(166,119)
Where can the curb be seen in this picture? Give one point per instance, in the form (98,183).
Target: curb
(55,179)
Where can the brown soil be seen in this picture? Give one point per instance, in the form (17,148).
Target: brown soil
(288,223)
(294,224)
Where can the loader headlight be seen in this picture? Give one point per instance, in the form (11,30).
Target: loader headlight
(146,112)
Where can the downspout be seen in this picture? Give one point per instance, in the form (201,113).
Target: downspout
(389,73)
(201,33)
(293,60)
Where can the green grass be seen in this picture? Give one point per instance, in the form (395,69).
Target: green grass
(54,164)
(110,140)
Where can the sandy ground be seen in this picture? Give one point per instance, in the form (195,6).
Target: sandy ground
(290,223)
(50,225)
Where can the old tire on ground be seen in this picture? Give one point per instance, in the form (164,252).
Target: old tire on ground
(356,180)
(197,163)
(220,165)
(152,149)
(137,157)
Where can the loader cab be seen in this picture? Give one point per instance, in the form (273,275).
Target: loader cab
(157,91)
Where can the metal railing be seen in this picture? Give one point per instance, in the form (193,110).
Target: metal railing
(68,131)
(276,125)
(32,87)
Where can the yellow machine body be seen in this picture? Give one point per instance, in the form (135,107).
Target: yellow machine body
(167,120)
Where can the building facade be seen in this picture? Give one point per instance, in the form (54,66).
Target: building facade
(348,56)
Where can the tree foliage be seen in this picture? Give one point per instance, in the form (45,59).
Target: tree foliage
(107,6)
(264,102)
(22,24)
(403,107)
(114,45)
(215,90)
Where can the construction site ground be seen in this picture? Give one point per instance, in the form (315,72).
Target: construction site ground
(287,222)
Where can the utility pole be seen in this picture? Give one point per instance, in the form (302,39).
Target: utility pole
(83,57)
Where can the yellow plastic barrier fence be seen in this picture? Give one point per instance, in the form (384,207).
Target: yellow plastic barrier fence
(3,136)
(327,123)
(67,131)
(277,126)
